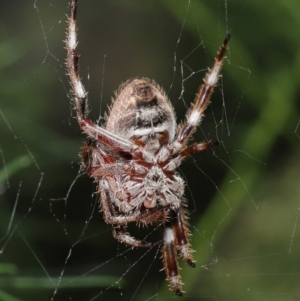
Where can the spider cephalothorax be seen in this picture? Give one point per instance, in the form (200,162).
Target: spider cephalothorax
(134,156)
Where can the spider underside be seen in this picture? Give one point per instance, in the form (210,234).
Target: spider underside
(134,156)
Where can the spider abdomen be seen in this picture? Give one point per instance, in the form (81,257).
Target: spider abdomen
(142,113)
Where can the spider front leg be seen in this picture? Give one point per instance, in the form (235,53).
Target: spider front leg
(176,239)
(119,145)
(203,96)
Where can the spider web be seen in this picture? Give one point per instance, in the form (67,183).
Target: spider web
(243,196)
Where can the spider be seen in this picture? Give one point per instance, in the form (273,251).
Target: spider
(134,156)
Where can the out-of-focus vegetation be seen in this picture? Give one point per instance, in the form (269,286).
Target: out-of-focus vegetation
(243,199)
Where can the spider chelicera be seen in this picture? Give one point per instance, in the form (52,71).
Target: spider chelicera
(134,156)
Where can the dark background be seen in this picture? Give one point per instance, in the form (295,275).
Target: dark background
(243,199)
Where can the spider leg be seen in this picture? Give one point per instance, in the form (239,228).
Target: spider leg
(177,158)
(176,239)
(181,232)
(198,147)
(80,95)
(123,147)
(170,259)
(72,63)
(201,102)
(119,233)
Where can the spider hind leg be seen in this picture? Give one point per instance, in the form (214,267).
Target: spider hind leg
(181,232)
(120,233)
(170,260)
(176,240)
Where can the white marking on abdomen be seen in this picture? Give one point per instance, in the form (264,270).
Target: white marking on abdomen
(146,131)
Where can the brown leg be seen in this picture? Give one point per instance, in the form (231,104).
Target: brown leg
(176,238)
(120,233)
(201,102)
(198,147)
(181,232)
(170,260)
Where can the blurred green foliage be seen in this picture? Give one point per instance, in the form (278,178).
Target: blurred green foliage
(243,199)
